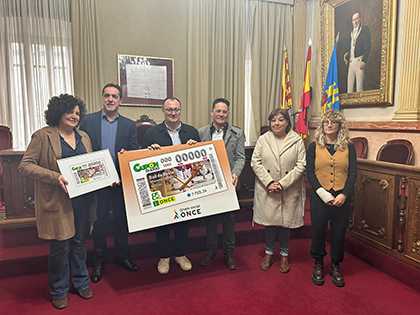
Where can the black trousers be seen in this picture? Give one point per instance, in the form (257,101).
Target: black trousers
(180,242)
(227,219)
(110,197)
(338,217)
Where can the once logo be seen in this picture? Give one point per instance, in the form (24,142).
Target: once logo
(163,201)
(190,213)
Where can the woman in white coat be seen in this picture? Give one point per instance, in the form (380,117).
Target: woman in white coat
(278,162)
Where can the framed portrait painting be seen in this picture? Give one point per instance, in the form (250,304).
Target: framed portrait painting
(365,49)
(145,81)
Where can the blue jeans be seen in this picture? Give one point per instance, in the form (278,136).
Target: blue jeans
(62,263)
(270,240)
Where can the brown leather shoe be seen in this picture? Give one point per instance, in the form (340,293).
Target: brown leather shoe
(60,303)
(86,293)
(284,264)
(208,258)
(230,261)
(267,262)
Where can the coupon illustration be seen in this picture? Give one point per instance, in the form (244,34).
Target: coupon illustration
(172,178)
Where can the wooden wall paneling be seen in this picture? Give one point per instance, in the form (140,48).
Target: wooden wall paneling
(23,191)
(19,190)
(8,188)
(246,181)
(400,215)
(374,206)
(412,241)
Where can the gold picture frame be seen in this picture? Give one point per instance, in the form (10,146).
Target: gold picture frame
(145,81)
(380,17)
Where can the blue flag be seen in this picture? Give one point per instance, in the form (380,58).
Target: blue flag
(331,99)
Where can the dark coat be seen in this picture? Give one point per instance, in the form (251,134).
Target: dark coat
(126,133)
(363,44)
(158,134)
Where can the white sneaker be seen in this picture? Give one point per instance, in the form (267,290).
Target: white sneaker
(163,266)
(184,263)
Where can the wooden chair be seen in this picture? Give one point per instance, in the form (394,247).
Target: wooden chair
(396,151)
(6,142)
(264,129)
(361,146)
(142,124)
(5,138)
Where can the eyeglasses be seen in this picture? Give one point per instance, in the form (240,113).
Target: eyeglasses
(334,122)
(172,110)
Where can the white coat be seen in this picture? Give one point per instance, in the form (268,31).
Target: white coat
(286,166)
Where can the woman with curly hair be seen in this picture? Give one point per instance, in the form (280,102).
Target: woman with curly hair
(331,170)
(60,220)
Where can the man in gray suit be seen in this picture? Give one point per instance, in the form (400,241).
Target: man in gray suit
(235,147)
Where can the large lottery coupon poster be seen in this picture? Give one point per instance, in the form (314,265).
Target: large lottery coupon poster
(176,183)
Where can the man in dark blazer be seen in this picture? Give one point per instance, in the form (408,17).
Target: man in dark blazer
(171,132)
(107,129)
(357,55)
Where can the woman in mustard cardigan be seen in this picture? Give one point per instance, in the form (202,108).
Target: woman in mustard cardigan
(331,170)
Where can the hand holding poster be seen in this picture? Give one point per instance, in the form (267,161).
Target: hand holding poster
(176,183)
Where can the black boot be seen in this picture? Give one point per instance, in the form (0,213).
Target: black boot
(317,274)
(336,276)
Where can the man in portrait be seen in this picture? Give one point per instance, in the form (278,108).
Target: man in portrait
(357,55)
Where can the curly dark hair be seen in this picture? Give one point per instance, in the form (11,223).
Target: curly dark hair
(59,105)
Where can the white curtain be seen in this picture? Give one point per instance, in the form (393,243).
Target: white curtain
(235,50)
(215,58)
(271,30)
(86,53)
(35,62)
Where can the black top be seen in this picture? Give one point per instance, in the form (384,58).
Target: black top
(351,175)
(67,150)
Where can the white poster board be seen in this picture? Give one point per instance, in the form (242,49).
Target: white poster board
(88,172)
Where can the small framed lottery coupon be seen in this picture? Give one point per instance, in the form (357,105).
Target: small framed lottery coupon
(88,172)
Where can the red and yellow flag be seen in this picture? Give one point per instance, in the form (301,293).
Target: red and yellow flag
(302,123)
(286,90)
